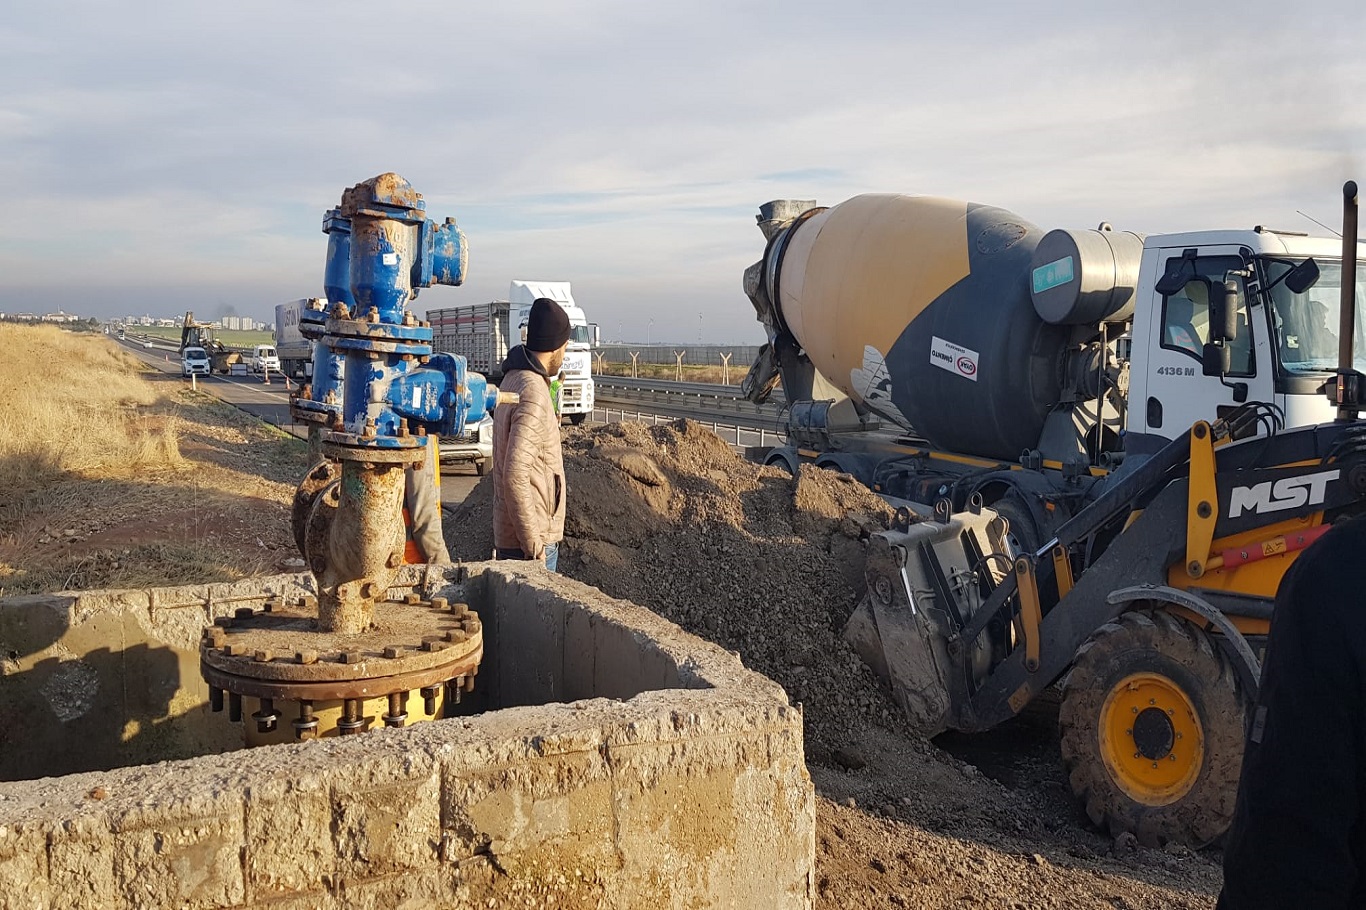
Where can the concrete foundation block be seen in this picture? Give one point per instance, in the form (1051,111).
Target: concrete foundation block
(195,861)
(23,860)
(384,826)
(607,759)
(81,858)
(288,843)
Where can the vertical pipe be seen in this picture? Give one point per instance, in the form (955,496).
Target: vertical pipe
(365,539)
(1347,410)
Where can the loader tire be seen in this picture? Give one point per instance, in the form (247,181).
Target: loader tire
(1152,723)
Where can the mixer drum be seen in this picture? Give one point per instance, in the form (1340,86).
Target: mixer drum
(920,308)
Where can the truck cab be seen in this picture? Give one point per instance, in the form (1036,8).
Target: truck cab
(1283,346)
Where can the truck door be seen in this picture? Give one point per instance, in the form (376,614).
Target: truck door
(1175,392)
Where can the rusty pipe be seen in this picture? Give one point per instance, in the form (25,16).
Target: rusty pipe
(353,541)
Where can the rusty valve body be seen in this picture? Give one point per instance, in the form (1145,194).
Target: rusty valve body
(379,398)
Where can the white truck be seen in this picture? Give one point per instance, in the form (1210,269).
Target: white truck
(295,352)
(482,333)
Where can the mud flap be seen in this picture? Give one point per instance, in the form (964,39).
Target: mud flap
(917,596)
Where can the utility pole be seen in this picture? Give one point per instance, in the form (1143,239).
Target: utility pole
(647,332)
(699,330)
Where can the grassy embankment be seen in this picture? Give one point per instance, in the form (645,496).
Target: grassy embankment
(99,490)
(668,371)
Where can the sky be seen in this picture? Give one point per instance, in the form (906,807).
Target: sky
(158,157)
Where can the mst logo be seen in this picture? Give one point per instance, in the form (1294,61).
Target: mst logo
(1279,495)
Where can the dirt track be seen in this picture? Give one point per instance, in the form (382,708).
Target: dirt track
(669,517)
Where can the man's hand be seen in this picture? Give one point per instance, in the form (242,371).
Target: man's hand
(538,553)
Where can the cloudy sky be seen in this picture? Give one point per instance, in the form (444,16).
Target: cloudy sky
(156,157)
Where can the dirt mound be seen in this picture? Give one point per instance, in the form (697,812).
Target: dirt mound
(671,518)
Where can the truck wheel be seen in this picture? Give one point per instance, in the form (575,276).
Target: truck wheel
(481,467)
(1024,534)
(1152,723)
(577,419)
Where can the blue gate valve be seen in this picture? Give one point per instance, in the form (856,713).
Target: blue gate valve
(378,388)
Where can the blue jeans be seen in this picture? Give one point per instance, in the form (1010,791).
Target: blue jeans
(552,554)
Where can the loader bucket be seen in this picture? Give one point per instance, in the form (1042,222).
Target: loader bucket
(924,582)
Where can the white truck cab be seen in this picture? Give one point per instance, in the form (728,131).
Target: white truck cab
(1284,346)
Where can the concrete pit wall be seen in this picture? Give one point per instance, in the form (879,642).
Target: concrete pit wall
(621,763)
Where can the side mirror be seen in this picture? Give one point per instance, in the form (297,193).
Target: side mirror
(1216,359)
(1223,311)
(1303,276)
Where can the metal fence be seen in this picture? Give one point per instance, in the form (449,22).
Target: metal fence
(741,355)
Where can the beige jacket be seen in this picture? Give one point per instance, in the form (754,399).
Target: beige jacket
(528,466)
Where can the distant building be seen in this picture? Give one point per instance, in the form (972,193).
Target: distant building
(232,322)
(60,316)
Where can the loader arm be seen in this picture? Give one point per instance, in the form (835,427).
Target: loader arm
(1170,503)
(969,656)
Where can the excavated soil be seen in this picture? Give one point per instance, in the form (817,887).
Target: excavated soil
(671,518)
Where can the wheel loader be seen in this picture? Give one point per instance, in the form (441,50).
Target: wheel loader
(1183,423)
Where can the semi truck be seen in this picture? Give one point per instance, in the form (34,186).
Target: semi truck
(483,333)
(1104,449)
(295,352)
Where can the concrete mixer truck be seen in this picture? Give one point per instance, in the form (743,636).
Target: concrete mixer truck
(1105,451)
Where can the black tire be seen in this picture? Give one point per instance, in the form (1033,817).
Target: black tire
(1138,683)
(481,467)
(1024,533)
(577,419)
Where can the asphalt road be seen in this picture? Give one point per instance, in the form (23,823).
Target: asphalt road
(271,404)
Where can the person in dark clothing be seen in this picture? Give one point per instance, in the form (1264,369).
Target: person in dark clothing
(528,466)
(1299,829)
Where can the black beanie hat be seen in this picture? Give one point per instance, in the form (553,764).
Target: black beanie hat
(547,328)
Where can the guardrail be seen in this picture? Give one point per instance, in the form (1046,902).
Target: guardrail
(700,401)
(668,387)
(738,437)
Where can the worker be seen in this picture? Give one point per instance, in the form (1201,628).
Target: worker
(528,466)
(422,503)
(1299,829)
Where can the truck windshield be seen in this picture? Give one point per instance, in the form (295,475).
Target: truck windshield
(578,334)
(1307,324)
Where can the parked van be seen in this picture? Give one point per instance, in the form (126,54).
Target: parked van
(264,358)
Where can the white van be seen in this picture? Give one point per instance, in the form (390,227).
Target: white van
(263,358)
(194,360)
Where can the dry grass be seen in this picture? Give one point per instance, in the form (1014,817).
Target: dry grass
(145,565)
(114,477)
(76,404)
